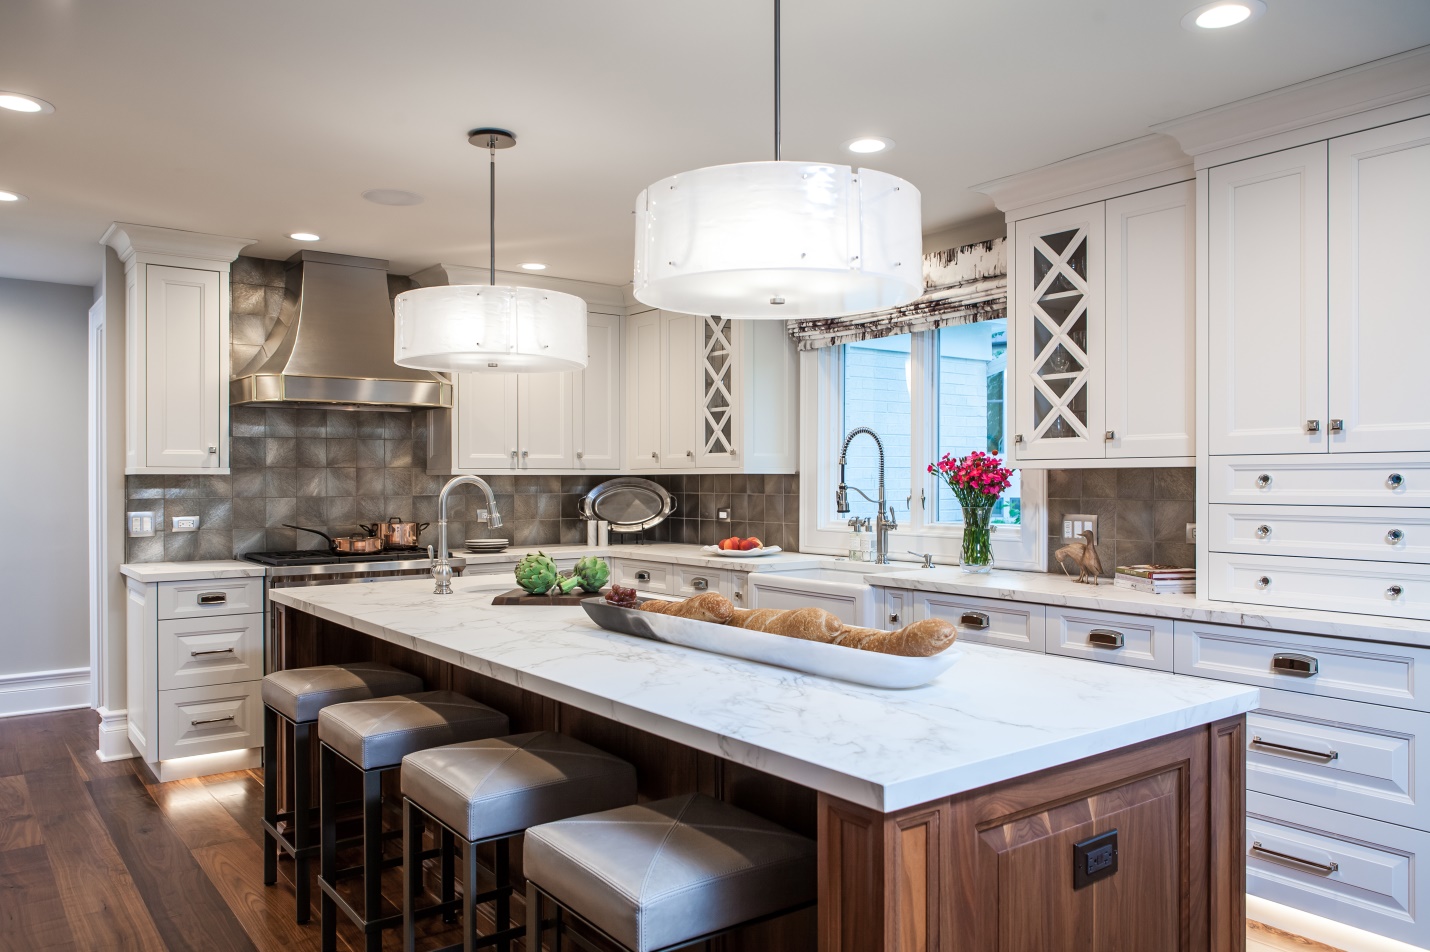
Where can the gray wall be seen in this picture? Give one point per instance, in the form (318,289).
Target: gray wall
(43,428)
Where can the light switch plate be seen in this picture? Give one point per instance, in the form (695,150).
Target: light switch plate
(722,514)
(186,523)
(1191,532)
(1075,523)
(140,524)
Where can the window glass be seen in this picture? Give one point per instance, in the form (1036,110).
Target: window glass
(972,415)
(877,395)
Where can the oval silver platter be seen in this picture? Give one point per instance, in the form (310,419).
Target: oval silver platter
(628,503)
(868,668)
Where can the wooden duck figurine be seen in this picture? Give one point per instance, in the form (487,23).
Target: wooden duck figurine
(1084,554)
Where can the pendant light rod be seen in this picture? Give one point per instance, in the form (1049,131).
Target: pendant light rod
(777,80)
(491,140)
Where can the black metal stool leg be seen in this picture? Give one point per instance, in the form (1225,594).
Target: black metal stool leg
(328,853)
(535,919)
(503,873)
(449,873)
(302,816)
(412,825)
(372,853)
(470,888)
(270,795)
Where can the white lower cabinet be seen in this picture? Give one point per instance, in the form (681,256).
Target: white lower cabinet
(691,580)
(987,621)
(195,665)
(658,577)
(1353,869)
(1400,590)
(1324,532)
(1137,640)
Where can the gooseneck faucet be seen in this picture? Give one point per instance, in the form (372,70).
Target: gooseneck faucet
(441,567)
(883,523)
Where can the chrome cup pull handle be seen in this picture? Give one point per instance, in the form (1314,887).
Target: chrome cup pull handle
(1286,859)
(1295,753)
(699,583)
(1299,665)
(977,621)
(213,598)
(1105,638)
(642,576)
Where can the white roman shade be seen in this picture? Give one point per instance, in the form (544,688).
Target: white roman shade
(961,286)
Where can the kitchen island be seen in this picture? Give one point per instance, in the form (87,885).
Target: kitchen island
(946,815)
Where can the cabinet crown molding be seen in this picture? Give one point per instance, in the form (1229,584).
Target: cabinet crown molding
(129,240)
(604,297)
(1381,82)
(1113,165)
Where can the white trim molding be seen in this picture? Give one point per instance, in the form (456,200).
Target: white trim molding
(155,245)
(36,692)
(114,736)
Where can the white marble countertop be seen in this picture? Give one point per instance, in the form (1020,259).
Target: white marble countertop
(994,715)
(658,552)
(184,571)
(1047,589)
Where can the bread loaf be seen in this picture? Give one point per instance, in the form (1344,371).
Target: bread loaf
(808,624)
(920,639)
(711,606)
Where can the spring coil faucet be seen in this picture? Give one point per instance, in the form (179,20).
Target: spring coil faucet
(883,524)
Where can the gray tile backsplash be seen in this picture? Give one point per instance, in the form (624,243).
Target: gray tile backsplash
(1142,514)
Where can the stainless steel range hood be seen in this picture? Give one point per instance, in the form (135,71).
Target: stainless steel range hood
(333,343)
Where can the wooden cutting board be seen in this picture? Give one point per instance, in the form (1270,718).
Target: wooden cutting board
(520,596)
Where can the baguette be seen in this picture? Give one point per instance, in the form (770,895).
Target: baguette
(807,624)
(711,606)
(921,639)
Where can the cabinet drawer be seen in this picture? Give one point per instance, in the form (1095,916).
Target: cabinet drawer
(1348,868)
(207,720)
(692,580)
(987,621)
(1394,675)
(1136,640)
(1341,755)
(215,596)
(195,651)
(1399,590)
(646,576)
(898,609)
(1365,479)
(1371,534)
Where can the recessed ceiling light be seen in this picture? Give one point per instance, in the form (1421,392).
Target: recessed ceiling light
(19,102)
(303,236)
(533,266)
(868,144)
(1223,13)
(392,196)
(11,197)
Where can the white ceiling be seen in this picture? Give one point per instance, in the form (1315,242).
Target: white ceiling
(265,117)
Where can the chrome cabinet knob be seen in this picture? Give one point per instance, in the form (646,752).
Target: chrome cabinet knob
(1263,582)
(689,454)
(893,618)
(1394,536)
(1109,436)
(1338,426)
(1263,531)
(513,454)
(1395,480)
(1017,437)
(1313,426)
(1263,480)
(1395,591)
(213,450)
(654,455)
(524,454)
(580,454)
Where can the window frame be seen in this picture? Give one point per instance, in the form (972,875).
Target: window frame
(1022,547)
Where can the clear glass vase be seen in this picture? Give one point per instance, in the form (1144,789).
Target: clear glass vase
(976,553)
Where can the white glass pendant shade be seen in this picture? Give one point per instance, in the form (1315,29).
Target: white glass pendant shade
(778,240)
(493,329)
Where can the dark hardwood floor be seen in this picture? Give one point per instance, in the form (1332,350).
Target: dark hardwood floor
(93,858)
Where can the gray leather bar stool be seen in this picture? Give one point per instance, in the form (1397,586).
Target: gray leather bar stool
(294,698)
(373,736)
(664,875)
(489,791)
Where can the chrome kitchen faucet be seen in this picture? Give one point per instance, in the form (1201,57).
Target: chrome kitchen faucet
(882,524)
(441,568)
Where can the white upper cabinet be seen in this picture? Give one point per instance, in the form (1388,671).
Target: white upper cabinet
(596,413)
(644,389)
(1266,312)
(1058,370)
(678,391)
(1151,323)
(1379,321)
(176,347)
(546,421)
(485,415)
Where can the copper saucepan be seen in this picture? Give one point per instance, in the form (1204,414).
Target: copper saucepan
(346,545)
(396,534)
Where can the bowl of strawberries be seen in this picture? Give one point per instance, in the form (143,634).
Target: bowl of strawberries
(736,547)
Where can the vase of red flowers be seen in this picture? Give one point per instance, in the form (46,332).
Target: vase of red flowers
(977,480)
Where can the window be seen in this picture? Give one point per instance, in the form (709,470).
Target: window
(925,394)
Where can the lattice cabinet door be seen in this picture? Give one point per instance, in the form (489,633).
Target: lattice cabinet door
(718,426)
(1058,342)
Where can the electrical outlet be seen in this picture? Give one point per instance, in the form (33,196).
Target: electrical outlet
(1191,532)
(140,524)
(722,514)
(186,523)
(1074,524)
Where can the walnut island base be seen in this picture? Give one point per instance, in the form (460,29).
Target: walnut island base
(989,868)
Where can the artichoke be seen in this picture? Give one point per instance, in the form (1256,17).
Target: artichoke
(592,574)
(536,573)
(565,585)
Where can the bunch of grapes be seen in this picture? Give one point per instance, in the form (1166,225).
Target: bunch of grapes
(622,597)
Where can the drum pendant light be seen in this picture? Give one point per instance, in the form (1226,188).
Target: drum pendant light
(779,239)
(489,328)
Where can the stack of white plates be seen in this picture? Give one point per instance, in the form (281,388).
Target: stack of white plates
(487,545)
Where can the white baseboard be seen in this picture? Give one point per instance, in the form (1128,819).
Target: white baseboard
(39,691)
(114,736)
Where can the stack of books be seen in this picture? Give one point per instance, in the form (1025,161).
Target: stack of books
(1157,579)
